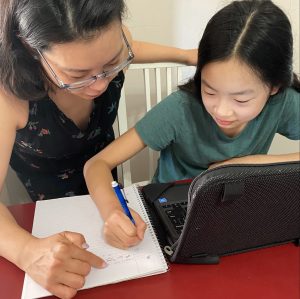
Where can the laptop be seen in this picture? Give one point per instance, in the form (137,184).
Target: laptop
(170,203)
(227,210)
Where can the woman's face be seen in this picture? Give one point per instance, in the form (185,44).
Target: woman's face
(81,59)
(233,94)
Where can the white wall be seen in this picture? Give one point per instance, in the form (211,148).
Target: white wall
(180,23)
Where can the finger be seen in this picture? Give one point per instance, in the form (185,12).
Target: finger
(124,229)
(133,233)
(88,257)
(121,220)
(71,280)
(118,235)
(140,226)
(77,267)
(75,238)
(62,291)
(115,242)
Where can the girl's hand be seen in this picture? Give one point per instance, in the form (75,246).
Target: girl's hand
(59,263)
(120,232)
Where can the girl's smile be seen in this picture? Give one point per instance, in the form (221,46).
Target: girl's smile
(223,123)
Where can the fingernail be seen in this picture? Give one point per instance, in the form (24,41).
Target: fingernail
(104,264)
(85,245)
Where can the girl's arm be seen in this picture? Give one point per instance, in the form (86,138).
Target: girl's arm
(148,52)
(259,159)
(118,229)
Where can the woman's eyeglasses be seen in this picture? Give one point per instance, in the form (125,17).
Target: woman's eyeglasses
(87,82)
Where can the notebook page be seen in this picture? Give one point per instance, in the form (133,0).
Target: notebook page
(80,214)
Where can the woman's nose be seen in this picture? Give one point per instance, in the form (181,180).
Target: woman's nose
(100,84)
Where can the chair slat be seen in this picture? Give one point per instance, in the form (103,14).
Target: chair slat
(122,128)
(158,85)
(122,114)
(179,75)
(172,70)
(147,89)
(169,80)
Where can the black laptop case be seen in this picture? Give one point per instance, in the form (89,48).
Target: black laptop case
(233,209)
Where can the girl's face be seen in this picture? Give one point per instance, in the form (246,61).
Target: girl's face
(233,94)
(81,59)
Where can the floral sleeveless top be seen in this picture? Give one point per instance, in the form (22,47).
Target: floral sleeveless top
(50,151)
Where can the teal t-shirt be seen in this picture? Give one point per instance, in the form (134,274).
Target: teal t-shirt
(190,140)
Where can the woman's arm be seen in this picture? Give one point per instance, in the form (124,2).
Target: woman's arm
(259,159)
(12,237)
(118,230)
(148,52)
(11,248)
(59,263)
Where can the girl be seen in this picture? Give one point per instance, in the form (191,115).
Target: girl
(243,92)
(61,73)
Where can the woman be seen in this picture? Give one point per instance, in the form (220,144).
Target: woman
(61,72)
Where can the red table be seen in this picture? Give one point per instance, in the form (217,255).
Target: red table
(272,273)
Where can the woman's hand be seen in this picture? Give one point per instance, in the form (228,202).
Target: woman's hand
(120,232)
(59,263)
(191,57)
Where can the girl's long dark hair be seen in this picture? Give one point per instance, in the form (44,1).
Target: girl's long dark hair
(256,32)
(38,24)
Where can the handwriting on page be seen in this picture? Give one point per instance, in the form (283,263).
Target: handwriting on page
(114,255)
(118,259)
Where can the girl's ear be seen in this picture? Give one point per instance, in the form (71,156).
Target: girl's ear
(274,90)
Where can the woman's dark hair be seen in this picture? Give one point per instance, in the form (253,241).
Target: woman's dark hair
(38,24)
(255,32)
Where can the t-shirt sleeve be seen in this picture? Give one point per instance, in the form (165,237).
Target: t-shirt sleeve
(289,125)
(162,124)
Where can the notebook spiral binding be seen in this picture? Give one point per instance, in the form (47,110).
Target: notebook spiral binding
(152,230)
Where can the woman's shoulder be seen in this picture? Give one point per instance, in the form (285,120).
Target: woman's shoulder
(13,111)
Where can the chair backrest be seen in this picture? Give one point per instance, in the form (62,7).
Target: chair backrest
(166,76)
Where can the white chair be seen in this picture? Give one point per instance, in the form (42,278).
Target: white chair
(13,191)
(159,78)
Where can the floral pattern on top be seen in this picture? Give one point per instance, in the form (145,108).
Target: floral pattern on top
(50,151)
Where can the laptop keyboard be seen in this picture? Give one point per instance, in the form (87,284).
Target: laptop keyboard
(176,213)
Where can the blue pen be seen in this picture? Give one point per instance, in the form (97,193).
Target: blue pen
(122,200)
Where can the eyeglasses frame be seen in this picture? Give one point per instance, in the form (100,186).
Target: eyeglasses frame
(94,78)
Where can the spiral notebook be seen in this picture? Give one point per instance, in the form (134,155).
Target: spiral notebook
(79,214)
